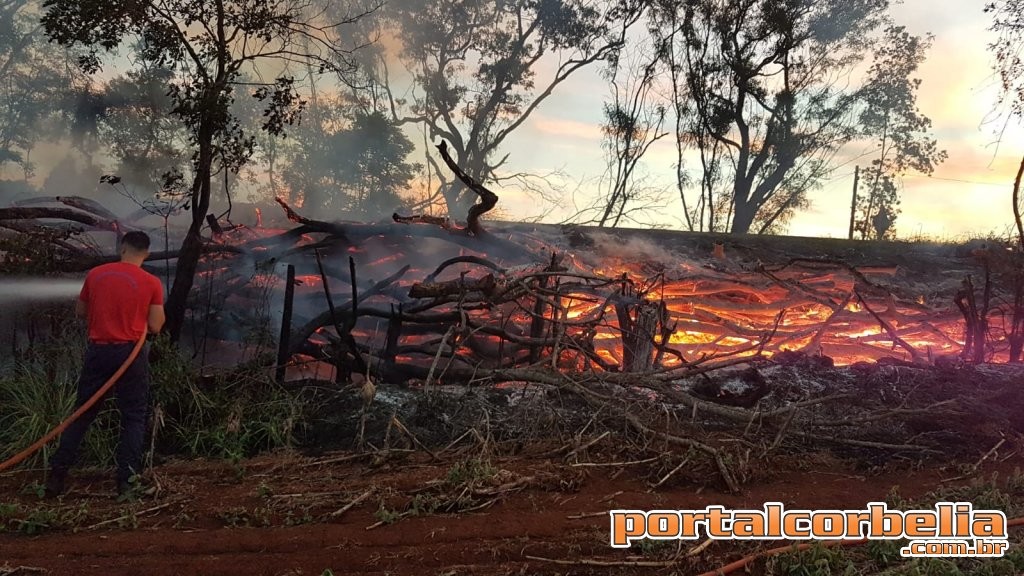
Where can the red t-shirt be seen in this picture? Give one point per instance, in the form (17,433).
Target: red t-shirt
(117,298)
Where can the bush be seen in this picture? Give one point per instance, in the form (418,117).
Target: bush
(232,414)
(38,393)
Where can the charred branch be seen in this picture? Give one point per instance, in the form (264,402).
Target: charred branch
(488,200)
(914,355)
(485,285)
(305,332)
(975,318)
(353,233)
(43,213)
(343,330)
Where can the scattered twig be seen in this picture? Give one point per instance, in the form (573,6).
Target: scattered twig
(7,570)
(587,445)
(671,473)
(604,563)
(131,514)
(401,427)
(351,457)
(700,548)
(437,358)
(305,495)
(746,560)
(782,433)
(981,461)
(989,453)
(588,515)
(866,443)
(453,443)
(362,497)
(613,464)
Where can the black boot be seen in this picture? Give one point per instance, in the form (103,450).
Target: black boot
(54,486)
(124,490)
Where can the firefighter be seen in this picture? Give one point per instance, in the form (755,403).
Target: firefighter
(120,302)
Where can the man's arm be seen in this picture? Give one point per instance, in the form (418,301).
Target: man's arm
(156,318)
(80,309)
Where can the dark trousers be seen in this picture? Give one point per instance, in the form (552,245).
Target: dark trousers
(132,395)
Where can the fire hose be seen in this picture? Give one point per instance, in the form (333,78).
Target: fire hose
(26,453)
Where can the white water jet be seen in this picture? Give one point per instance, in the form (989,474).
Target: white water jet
(20,290)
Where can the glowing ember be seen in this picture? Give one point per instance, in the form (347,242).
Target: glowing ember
(692,311)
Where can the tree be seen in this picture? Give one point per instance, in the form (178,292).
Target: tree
(1008,24)
(208,46)
(768,107)
(475,70)
(357,168)
(33,73)
(138,130)
(666,31)
(890,116)
(633,121)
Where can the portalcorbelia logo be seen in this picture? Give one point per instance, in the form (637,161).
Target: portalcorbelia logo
(951,529)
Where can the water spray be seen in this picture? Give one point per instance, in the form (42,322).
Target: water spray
(38,289)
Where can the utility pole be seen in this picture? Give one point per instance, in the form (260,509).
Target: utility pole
(853,204)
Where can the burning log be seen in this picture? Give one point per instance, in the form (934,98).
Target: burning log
(976,320)
(486,285)
(889,329)
(638,324)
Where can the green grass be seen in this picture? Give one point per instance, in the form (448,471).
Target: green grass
(231,415)
(31,521)
(38,393)
(472,471)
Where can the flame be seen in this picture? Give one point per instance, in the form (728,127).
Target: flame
(707,312)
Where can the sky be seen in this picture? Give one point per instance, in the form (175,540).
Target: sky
(968,196)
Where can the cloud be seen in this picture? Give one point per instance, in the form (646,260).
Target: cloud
(566,128)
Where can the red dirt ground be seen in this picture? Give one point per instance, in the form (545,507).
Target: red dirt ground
(269,516)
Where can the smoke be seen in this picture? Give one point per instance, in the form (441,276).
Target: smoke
(21,290)
(635,248)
